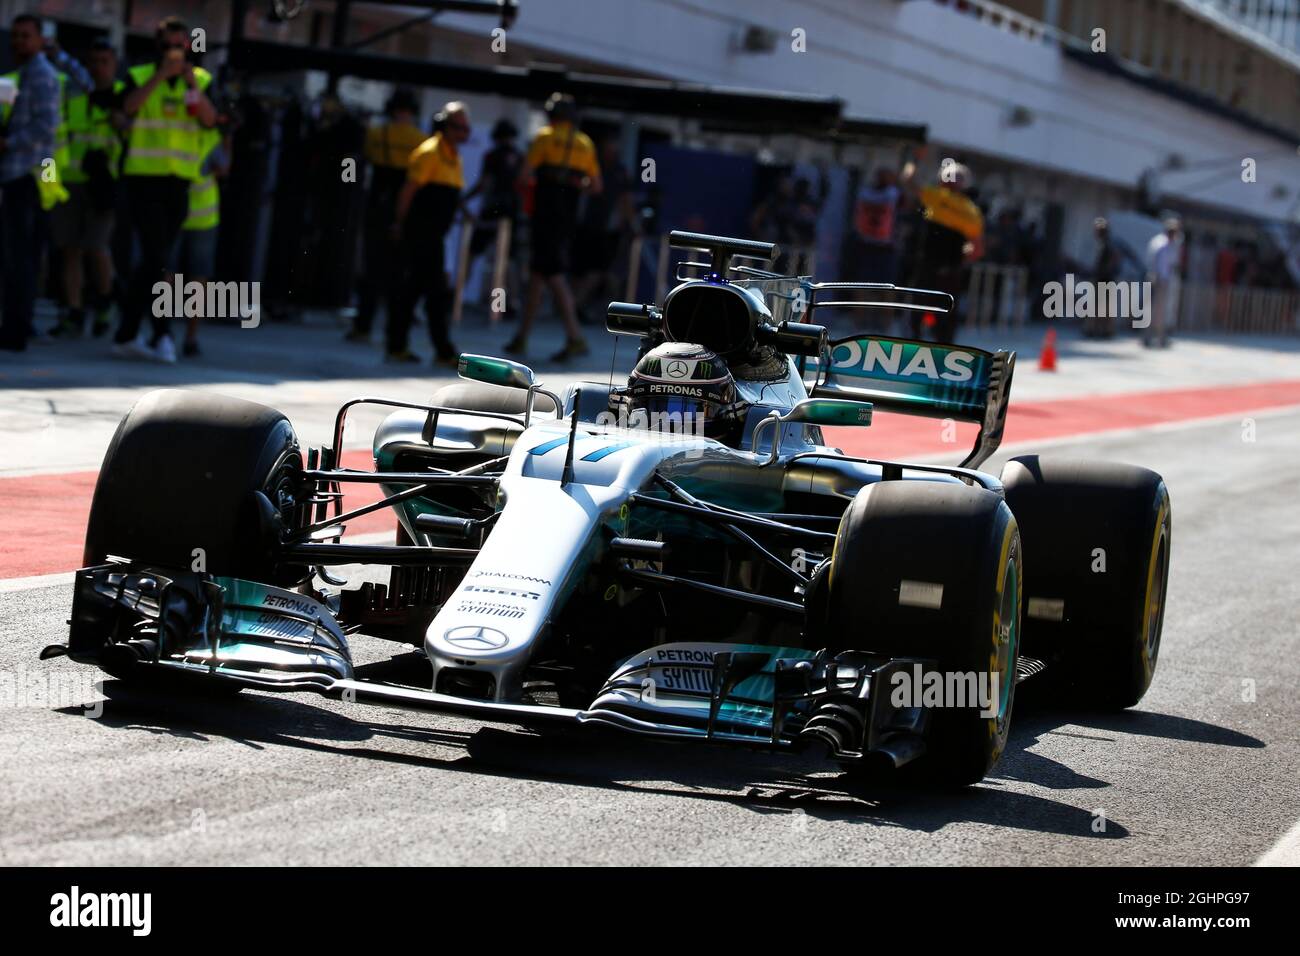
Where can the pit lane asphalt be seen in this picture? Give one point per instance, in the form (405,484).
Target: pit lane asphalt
(1194,775)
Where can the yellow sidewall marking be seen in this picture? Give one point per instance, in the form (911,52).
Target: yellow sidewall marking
(1151,583)
(997,616)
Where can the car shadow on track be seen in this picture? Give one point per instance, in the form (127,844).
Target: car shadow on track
(762,782)
(1036,720)
(253,720)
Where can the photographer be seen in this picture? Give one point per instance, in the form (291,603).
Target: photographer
(170,109)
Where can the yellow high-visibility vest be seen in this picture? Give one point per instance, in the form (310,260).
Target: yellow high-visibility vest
(949,208)
(205,195)
(89,129)
(61,131)
(49,184)
(165,139)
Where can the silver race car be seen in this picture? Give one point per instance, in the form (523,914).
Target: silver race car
(681,556)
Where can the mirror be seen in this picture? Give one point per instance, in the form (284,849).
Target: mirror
(814,411)
(495,371)
(830,411)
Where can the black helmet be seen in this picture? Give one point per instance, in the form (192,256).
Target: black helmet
(687,386)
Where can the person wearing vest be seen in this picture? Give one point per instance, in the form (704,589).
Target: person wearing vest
(82,227)
(73,79)
(426,209)
(49,177)
(952,237)
(30,114)
(561,165)
(196,257)
(388,148)
(169,108)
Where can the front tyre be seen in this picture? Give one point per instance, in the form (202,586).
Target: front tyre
(176,488)
(933,570)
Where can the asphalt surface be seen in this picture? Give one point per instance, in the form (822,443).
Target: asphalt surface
(1201,772)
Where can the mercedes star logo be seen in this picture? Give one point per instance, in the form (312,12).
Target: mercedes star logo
(677,369)
(475,638)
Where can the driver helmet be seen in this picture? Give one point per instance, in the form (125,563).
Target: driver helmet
(682,387)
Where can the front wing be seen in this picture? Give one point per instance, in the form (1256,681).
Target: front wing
(224,630)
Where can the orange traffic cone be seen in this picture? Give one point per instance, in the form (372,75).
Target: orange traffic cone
(1047,360)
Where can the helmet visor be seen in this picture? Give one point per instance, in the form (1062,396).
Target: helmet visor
(675,413)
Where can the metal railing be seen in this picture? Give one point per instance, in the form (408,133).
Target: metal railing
(1211,308)
(500,263)
(997,296)
(995,14)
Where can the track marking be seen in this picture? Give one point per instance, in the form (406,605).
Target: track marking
(1061,419)
(1189,424)
(36,581)
(42,512)
(1269,411)
(1285,852)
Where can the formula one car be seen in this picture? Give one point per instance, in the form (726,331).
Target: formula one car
(681,556)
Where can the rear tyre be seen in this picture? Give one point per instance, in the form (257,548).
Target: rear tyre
(176,488)
(1097,536)
(933,570)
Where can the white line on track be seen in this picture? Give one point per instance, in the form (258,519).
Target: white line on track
(9,585)
(36,581)
(1285,852)
(1016,447)
(1186,424)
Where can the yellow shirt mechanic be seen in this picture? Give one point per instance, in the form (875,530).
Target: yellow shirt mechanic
(426,208)
(391,144)
(562,153)
(436,161)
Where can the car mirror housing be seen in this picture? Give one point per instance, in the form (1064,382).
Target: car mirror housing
(830,411)
(814,411)
(495,371)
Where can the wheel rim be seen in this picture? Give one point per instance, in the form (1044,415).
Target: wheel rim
(1008,641)
(283,488)
(1155,610)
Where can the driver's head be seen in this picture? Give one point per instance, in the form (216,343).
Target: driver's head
(680,387)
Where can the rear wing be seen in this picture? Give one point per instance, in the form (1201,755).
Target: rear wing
(921,378)
(797,298)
